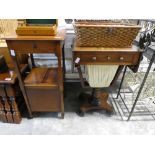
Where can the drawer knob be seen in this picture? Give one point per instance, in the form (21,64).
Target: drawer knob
(108,57)
(94,58)
(121,58)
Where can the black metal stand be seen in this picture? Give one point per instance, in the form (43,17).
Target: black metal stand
(139,91)
(142,85)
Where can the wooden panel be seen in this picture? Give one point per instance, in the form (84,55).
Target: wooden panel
(35,76)
(37,30)
(42,77)
(118,58)
(21,46)
(43,100)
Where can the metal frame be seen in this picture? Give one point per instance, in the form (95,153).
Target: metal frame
(139,92)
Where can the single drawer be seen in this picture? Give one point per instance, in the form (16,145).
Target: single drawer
(39,46)
(43,99)
(114,58)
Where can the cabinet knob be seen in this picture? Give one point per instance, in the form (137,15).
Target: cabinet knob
(121,58)
(94,58)
(108,57)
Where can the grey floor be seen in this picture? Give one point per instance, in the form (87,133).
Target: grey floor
(92,123)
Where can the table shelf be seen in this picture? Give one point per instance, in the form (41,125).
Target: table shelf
(42,77)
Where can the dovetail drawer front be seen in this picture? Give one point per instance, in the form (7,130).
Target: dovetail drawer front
(119,58)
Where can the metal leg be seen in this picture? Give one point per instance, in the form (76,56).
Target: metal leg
(120,86)
(142,85)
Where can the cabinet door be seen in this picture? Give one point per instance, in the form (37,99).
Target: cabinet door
(44,100)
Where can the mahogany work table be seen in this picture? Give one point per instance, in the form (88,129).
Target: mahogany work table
(103,56)
(43,87)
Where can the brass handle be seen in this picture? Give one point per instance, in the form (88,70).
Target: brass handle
(108,57)
(121,58)
(94,58)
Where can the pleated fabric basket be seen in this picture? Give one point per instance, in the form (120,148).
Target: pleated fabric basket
(104,34)
(99,76)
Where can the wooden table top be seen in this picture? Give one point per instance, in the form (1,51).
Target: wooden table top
(59,36)
(103,49)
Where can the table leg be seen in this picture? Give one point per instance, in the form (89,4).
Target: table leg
(21,84)
(60,76)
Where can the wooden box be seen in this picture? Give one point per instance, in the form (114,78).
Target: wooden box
(37,27)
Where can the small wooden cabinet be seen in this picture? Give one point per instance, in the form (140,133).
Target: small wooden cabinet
(43,87)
